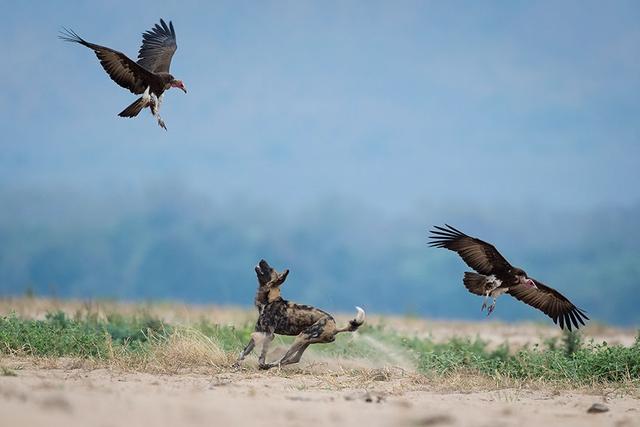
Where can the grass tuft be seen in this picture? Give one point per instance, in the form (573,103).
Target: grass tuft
(185,348)
(7,372)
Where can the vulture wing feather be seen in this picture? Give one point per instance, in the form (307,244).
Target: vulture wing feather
(158,47)
(483,257)
(118,66)
(551,302)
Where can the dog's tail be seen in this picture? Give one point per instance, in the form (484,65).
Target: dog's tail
(355,323)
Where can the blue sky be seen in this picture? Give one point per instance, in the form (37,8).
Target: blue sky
(390,104)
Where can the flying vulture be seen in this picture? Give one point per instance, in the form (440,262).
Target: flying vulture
(148,76)
(496,276)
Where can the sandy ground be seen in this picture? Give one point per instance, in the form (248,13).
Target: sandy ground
(317,392)
(101,397)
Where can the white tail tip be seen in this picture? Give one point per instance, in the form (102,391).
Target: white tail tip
(360,316)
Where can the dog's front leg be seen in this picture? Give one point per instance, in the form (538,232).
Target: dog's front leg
(256,337)
(247,350)
(268,337)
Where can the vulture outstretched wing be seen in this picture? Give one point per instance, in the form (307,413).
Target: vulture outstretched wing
(120,68)
(551,302)
(483,257)
(158,47)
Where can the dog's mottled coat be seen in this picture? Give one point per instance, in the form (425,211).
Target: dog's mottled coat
(279,316)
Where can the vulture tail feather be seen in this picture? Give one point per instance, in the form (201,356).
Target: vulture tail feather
(135,108)
(474,282)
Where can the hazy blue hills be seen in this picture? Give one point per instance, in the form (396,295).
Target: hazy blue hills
(340,253)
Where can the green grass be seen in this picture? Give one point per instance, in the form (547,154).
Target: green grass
(229,338)
(591,363)
(86,336)
(566,360)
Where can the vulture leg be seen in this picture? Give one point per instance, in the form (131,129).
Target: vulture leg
(155,109)
(491,307)
(495,293)
(484,301)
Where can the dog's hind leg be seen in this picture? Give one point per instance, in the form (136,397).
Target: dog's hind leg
(294,353)
(324,330)
(295,357)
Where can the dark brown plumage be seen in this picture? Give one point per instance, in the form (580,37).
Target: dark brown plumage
(495,276)
(148,76)
(158,47)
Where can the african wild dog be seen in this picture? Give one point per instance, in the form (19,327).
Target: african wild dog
(279,316)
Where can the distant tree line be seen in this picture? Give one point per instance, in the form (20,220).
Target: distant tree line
(339,255)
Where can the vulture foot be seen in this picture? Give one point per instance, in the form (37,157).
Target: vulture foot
(491,308)
(484,301)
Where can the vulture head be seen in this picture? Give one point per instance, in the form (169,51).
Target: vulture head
(178,84)
(522,278)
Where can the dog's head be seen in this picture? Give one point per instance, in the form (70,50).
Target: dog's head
(269,282)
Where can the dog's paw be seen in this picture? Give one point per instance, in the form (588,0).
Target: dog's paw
(265,366)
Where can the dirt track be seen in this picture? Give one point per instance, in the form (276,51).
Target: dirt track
(101,397)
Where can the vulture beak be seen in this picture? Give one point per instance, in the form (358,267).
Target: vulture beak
(183,89)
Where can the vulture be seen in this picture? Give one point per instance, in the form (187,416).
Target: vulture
(495,276)
(148,76)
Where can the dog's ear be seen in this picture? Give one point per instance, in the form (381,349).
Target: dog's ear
(283,276)
(279,279)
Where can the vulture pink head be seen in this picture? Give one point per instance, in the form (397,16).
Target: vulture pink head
(522,278)
(179,85)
